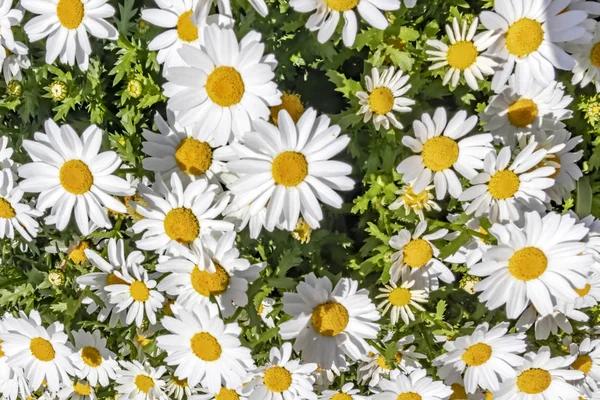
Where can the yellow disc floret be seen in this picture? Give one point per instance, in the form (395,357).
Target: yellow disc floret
(522,113)
(417,253)
(186,30)
(461,55)
(205,346)
(70,13)
(399,297)
(503,184)
(528,263)
(534,381)
(292,104)
(42,349)
(524,37)
(6,209)
(225,86)
(277,379)
(330,319)
(207,283)
(139,291)
(440,153)
(182,225)
(477,354)
(193,156)
(289,168)
(381,100)
(75,177)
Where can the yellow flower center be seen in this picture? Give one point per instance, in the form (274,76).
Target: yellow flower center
(527,264)
(417,253)
(144,383)
(461,55)
(477,354)
(290,103)
(182,225)
(6,210)
(524,37)
(167,309)
(193,156)
(75,177)
(503,184)
(583,363)
(78,254)
(399,297)
(439,153)
(70,13)
(1,351)
(139,291)
(381,363)
(522,113)
(302,231)
(341,396)
(225,86)
(458,392)
(180,382)
(381,100)
(584,291)
(415,200)
(409,396)
(82,389)
(42,349)
(207,283)
(595,55)
(113,279)
(289,168)
(91,356)
(277,379)
(227,394)
(330,319)
(205,346)
(534,381)
(342,5)
(186,30)
(488,395)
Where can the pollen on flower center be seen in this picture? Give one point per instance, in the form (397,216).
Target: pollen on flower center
(341,396)
(330,319)
(82,389)
(227,394)
(461,55)
(528,263)
(458,392)
(477,354)
(595,55)
(91,356)
(277,379)
(409,396)
(399,297)
(78,254)
(205,346)
(524,37)
(76,177)
(583,363)
(181,225)
(42,349)
(225,86)
(186,30)
(381,100)
(504,184)
(522,113)
(113,279)
(342,5)
(292,104)
(534,381)
(417,253)
(584,291)
(70,13)
(439,153)
(193,156)
(207,283)
(289,168)
(144,383)
(6,210)
(139,291)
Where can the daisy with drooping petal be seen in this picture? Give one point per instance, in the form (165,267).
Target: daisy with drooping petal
(416,202)
(401,298)
(282,378)
(15,215)
(239,215)
(66,23)
(289,168)
(416,385)
(587,360)
(589,295)
(329,323)
(383,97)
(13,60)
(9,17)
(73,177)
(538,264)
(347,392)
(92,360)
(223,87)
(462,55)
(550,324)
(179,389)
(587,56)
(137,381)
(530,38)
(80,390)
(204,348)
(442,151)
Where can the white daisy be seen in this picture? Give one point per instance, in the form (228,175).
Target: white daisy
(14,214)
(347,392)
(587,56)
(92,360)
(402,298)
(9,17)
(590,7)
(505,190)
(441,152)
(289,168)
(550,323)
(204,348)
(80,390)
(66,23)
(240,215)
(329,323)
(15,387)
(212,267)
(589,295)
(530,36)
(13,60)
(540,264)
(222,394)
(416,385)
(588,360)
(487,357)
(179,389)
(327,16)
(282,378)
(416,202)
(137,381)
(543,377)
(472,252)
(72,177)
(176,215)
(383,97)
(462,55)
(226,80)
(6,153)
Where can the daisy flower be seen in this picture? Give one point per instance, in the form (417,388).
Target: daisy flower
(137,294)
(282,378)
(472,252)
(541,376)
(327,16)
(137,381)
(530,38)
(524,107)
(550,323)
(348,392)
(400,299)
(589,295)
(91,359)
(176,215)
(587,56)
(487,357)
(289,168)
(291,103)
(210,268)
(415,202)
(223,393)
(42,353)
(590,7)
(384,98)
(178,389)
(9,17)
(266,307)
(222,81)
(67,23)
(239,214)
(416,385)
(16,386)
(329,323)
(462,55)
(505,190)
(540,264)
(13,60)
(80,390)
(588,359)
(440,152)
(14,214)
(72,177)
(204,348)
